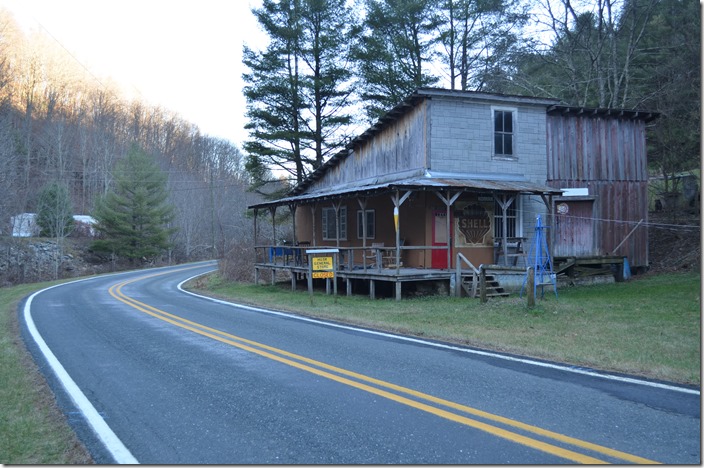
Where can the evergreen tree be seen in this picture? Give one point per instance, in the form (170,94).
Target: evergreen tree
(55,211)
(133,217)
(394,52)
(668,80)
(297,89)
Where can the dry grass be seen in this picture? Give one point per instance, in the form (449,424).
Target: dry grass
(32,428)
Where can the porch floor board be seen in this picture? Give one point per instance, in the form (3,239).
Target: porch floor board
(372,273)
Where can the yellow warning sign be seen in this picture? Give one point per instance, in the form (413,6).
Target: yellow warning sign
(322,264)
(323,274)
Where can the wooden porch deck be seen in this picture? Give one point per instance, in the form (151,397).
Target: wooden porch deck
(379,267)
(371,275)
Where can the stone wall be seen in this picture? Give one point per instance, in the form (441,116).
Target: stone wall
(31,260)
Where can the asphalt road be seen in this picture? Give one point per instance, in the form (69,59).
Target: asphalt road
(150,374)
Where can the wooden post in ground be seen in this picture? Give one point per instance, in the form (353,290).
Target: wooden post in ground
(482,285)
(530,286)
(310,280)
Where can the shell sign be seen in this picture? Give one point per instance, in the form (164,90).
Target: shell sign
(474,223)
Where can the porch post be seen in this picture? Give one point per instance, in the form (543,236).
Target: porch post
(449,233)
(292,208)
(398,201)
(312,215)
(549,204)
(336,207)
(363,206)
(256,270)
(505,204)
(449,200)
(272,210)
(337,256)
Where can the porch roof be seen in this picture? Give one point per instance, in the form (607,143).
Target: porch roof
(429,182)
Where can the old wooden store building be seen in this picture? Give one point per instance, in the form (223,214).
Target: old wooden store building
(449,182)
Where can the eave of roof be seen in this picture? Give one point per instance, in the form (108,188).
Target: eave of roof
(632,114)
(429,182)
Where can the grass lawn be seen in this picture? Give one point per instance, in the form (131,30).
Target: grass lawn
(32,428)
(649,326)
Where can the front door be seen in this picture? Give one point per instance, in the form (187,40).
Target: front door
(439,256)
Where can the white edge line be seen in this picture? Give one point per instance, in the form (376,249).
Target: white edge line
(109,439)
(574,370)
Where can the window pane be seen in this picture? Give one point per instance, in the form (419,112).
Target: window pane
(324,223)
(498,144)
(343,222)
(508,122)
(370,225)
(498,121)
(329,227)
(508,144)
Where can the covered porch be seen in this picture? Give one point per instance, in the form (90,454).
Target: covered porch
(428,229)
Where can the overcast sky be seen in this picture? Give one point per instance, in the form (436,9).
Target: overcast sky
(184,55)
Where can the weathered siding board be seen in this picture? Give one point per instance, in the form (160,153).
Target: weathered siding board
(607,155)
(596,149)
(399,147)
(574,231)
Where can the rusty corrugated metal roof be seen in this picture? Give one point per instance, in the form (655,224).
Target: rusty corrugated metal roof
(420,183)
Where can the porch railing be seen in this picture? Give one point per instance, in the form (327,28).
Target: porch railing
(350,258)
(459,275)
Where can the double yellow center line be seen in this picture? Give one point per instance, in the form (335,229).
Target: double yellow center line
(397,393)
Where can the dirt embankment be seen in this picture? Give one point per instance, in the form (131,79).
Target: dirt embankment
(674,242)
(31,260)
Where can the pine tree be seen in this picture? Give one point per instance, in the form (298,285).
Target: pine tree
(298,88)
(133,217)
(394,52)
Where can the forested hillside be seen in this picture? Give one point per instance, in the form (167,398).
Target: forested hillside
(329,70)
(59,124)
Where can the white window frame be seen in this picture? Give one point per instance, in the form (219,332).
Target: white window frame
(514,132)
(330,212)
(371,230)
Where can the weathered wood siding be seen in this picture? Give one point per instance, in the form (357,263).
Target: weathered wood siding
(395,152)
(574,230)
(608,156)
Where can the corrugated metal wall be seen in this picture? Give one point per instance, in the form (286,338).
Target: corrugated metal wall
(608,156)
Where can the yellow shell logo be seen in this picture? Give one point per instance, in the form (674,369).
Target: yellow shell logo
(474,223)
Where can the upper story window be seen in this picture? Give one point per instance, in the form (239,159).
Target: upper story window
(504,133)
(329,227)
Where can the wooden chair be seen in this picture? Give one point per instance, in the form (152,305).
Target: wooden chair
(301,256)
(374,255)
(389,257)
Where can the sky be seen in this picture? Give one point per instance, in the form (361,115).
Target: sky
(182,55)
